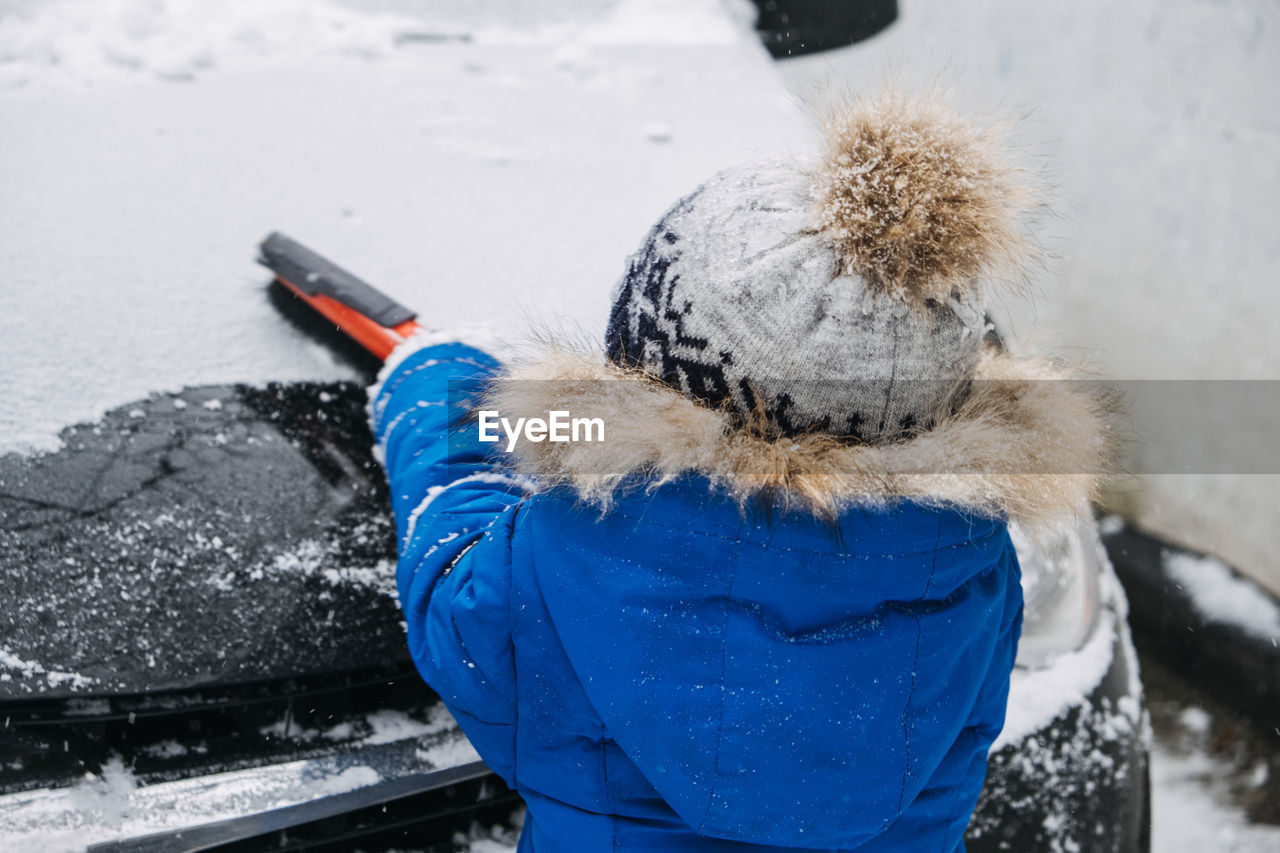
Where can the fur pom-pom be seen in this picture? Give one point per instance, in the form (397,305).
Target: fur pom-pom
(919,201)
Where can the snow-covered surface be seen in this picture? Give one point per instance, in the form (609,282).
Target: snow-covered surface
(384,726)
(482,162)
(12,666)
(499,838)
(1220,596)
(1157,122)
(490,839)
(1192,809)
(1038,696)
(115,805)
(1189,814)
(317,558)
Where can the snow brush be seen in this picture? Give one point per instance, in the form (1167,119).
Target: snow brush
(362,312)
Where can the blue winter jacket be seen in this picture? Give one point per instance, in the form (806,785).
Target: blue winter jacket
(682,674)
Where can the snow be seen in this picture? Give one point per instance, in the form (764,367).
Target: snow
(500,838)
(1190,810)
(1196,720)
(448,753)
(11,664)
(146,146)
(1038,696)
(385,726)
(83,42)
(663,22)
(658,131)
(166,749)
(115,805)
(1221,596)
(487,845)
(318,559)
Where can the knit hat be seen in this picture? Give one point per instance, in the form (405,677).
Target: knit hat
(848,299)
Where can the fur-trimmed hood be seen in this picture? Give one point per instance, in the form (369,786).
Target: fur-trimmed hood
(1026,443)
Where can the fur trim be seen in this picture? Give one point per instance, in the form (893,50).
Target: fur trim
(919,201)
(984,456)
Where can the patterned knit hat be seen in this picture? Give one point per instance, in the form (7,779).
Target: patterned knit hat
(850,299)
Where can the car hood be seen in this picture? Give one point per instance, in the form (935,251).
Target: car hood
(477,173)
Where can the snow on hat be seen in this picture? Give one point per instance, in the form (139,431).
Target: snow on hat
(848,299)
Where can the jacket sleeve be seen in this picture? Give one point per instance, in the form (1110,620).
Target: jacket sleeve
(455,505)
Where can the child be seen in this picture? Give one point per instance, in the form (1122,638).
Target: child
(776,607)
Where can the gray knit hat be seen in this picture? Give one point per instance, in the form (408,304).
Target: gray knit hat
(848,299)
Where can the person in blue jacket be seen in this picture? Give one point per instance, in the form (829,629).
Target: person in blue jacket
(742,581)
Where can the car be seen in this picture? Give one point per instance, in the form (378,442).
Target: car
(205,608)
(201,642)
(203,635)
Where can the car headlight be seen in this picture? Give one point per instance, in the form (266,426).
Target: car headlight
(1060,592)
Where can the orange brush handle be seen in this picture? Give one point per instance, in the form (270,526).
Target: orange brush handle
(376,338)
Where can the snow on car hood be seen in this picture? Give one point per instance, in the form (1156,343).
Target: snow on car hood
(486,166)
